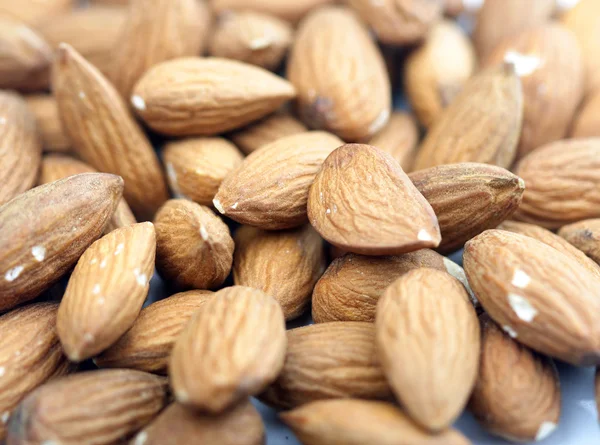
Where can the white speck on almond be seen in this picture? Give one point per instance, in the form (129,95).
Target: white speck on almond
(141,278)
(119,249)
(524,65)
(88,338)
(379,121)
(81,95)
(510,331)
(96,289)
(261,42)
(103,264)
(424,235)
(203,232)
(138,102)
(523,308)
(94,261)
(13,273)
(2,120)
(2,371)
(5,416)
(520,279)
(141,438)
(235,206)
(546,428)
(39,253)
(219,206)
(101,301)
(328,211)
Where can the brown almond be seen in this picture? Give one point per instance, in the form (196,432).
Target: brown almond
(45,110)
(285,265)
(34,11)
(233,348)
(45,231)
(517,394)
(385,215)
(290,11)
(116,145)
(193,246)
(585,236)
(207,96)
(399,138)
(587,120)
(323,55)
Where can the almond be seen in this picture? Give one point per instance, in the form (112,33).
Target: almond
(399,138)
(270,189)
(585,236)
(285,265)
(329,361)
(33,11)
(482,124)
(31,354)
(587,122)
(197,167)
(99,407)
(358,422)
(233,348)
(563,183)
(147,345)
(548,61)
(385,215)
(48,122)
(207,96)
(193,246)
(290,11)
(468,198)
(517,394)
(251,37)
(332,47)
(45,231)
(20,146)
(547,299)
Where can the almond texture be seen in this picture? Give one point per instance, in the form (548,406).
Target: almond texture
(399,138)
(48,122)
(585,236)
(587,121)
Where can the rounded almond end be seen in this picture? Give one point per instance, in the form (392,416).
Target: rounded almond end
(64,52)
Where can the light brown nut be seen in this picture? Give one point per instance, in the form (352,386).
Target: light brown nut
(562,181)
(468,198)
(45,231)
(251,37)
(290,11)
(20,147)
(34,11)
(285,265)
(587,120)
(362,202)
(425,317)
(207,96)
(547,299)
(548,61)
(436,72)
(323,56)
(116,144)
(358,422)
(31,354)
(99,407)
(147,345)
(329,361)
(270,189)
(585,236)
(48,122)
(399,138)
(178,425)
(231,349)
(482,124)
(193,246)
(196,167)
(517,394)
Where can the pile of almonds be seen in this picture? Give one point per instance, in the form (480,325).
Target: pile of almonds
(271,196)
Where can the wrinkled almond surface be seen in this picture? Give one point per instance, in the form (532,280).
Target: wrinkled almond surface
(585,236)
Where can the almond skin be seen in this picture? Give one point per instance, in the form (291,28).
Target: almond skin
(517,394)
(147,345)
(20,146)
(193,246)
(585,236)
(357,422)
(207,96)
(45,231)
(290,11)
(529,288)
(285,265)
(45,110)
(101,407)
(399,138)
(468,198)
(233,348)
(329,361)
(322,56)
(116,145)
(270,189)
(388,216)
(31,354)
(587,121)
(425,317)
(34,11)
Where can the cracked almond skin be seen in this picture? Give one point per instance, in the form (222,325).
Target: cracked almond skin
(322,56)
(425,317)
(329,361)
(100,407)
(34,12)
(193,246)
(468,198)
(290,11)
(178,425)
(45,110)
(231,349)
(548,299)
(358,422)
(20,146)
(31,354)
(361,201)
(116,144)
(460,134)
(270,188)
(196,96)
(587,120)
(585,236)
(284,264)
(399,138)
(147,345)
(46,230)
(517,394)
(563,183)
(106,291)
